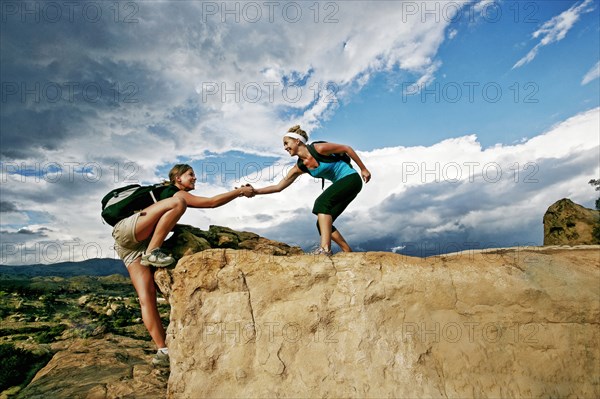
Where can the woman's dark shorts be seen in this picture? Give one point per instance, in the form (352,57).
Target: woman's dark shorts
(338,196)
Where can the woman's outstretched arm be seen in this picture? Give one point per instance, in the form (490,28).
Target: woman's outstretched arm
(283,184)
(194,201)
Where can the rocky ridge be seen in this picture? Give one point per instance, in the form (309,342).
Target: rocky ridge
(107,365)
(252,317)
(516,322)
(188,240)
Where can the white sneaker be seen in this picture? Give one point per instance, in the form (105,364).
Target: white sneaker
(156,258)
(161,359)
(321,251)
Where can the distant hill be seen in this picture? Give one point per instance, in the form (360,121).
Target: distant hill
(90,267)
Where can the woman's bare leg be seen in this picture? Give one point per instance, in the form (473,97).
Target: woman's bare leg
(325,227)
(339,240)
(158,220)
(142,278)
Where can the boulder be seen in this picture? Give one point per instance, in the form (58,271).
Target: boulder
(188,240)
(568,223)
(519,322)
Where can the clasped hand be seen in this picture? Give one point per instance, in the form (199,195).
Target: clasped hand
(247,190)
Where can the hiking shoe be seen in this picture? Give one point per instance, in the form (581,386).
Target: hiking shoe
(157,258)
(321,251)
(161,359)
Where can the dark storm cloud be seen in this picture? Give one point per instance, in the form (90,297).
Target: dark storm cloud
(6,206)
(27,231)
(26,132)
(61,80)
(23,235)
(65,186)
(419,212)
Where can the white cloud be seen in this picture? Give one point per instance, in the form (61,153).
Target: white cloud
(208,85)
(452,192)
(398,249)
(448,196)
(480,6)
(556,29)
(592,74)
(203,85)
(181,72)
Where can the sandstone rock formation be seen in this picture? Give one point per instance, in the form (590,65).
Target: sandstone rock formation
(521,322)
(264,320)
(567,223)
(108,366)
(112,367)
(188,240)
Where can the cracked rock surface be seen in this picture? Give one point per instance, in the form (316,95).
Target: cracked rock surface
(516,322)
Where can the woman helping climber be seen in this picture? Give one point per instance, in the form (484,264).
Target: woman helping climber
(140,235)
(327,161)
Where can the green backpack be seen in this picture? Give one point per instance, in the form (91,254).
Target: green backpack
(123,202)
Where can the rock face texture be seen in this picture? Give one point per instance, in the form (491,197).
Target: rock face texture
(187,240)
(110,366)
(113,367)
(521,322)
(567,223)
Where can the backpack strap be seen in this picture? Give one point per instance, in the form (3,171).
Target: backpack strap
(315,154)
(162,191)
(320,157)
(301,166)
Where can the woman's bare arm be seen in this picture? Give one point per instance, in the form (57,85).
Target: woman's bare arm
(194,201)
(283,184)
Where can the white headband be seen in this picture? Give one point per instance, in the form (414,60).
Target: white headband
(295,136)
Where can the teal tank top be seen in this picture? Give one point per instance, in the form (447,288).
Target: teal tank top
(332,171)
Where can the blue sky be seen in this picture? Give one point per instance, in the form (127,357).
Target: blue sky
(478,60)
(473,116)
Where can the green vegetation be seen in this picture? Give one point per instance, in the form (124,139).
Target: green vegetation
(18,366)
(37,312)
(50,335)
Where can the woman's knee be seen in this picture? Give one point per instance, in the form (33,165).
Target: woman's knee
(143,283)
(333,229)
(147,297)
(178,204)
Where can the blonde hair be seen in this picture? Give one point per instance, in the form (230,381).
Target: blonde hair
(296,129)
(176,171)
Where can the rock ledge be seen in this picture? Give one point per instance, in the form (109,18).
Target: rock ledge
(512,322)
